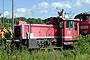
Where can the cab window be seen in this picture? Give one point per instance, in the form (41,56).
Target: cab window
(69,24)
(61,24)
(48,22)
(84,18)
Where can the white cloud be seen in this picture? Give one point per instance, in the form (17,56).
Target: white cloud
(43,11)
(82,2)
(20,12)
(60,5)
(46,5)
(43,5)
(87,1)
(6,14)
(34,7)
(23,12)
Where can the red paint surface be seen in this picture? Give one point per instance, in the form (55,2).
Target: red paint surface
(50,30)
(43,30)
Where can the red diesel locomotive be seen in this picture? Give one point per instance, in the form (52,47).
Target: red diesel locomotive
(56,32)
(84,23)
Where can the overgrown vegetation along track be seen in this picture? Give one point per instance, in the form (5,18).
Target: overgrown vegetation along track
(81,51)
(65,47)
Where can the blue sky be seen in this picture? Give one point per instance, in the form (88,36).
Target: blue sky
(43,8)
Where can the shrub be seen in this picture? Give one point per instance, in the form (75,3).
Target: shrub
(81,51)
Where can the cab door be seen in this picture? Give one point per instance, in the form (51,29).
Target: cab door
(68,30)
(61,28)
(76,28)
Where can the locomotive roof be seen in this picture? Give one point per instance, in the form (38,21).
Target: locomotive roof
(63,18)
(85,13)
(70,19)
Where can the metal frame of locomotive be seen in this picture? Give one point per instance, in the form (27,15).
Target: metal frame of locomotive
(84,23)
(56,32)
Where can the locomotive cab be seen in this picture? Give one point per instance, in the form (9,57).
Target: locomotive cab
(84,22)
(71,28)
(66,28)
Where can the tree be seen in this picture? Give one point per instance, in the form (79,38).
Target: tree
(8,21)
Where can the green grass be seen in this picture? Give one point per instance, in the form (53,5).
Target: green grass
(81,51)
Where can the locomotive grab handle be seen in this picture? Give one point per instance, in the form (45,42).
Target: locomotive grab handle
(27,33)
